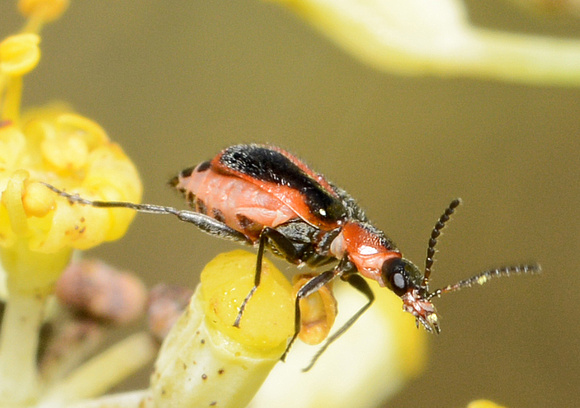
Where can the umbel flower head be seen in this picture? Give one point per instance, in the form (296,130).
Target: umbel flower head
(60,147)
(39,230)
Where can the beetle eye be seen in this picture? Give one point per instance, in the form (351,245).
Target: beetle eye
(394,275)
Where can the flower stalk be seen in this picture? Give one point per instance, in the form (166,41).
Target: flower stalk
(18,347)
(418,37)
(98,375)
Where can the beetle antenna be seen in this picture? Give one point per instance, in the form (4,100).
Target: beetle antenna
(201,221)
(145,208)
(485,276)
(434,235)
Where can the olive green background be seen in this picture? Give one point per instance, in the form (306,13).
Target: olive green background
(174,82)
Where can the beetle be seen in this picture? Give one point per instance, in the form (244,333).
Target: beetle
(265,197)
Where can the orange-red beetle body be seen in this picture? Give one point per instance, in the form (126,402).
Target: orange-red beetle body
(266,197)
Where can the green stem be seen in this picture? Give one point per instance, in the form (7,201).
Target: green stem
(18,348)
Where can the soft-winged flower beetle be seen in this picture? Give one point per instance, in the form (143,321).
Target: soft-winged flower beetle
(265,197)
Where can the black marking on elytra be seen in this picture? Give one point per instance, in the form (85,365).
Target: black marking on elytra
(174,181)
(262,163)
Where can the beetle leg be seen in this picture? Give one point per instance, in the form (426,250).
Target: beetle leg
(211,226)
(310,287)
(283,244)
(359,283)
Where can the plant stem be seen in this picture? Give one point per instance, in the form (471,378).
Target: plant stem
(18,347)
(103,371)
(135,399)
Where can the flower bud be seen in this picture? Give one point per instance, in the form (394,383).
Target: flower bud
(19,54)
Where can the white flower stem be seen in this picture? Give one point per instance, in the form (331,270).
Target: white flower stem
(105,370)
(135,399)
(419,37)
(18,347)
(525,58)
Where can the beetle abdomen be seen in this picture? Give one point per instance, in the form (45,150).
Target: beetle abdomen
(240,204)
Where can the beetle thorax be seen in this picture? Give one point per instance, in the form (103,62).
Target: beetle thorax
(365,247)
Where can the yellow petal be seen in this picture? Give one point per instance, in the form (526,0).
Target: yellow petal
(12,147)
(37,200)
(368,363)
(12,201)
(65,152)
(317,311)
(19,54)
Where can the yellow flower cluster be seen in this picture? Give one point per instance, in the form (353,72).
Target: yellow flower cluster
(74,153)
(59,147)
(39,229)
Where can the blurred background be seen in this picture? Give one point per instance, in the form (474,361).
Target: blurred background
(175,84)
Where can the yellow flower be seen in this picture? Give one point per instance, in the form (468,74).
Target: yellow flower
(19,54)
(54,145)
(38,229)
(74,153)
(204,361)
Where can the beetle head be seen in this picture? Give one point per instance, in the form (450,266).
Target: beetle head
(412,285)
(407,281)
